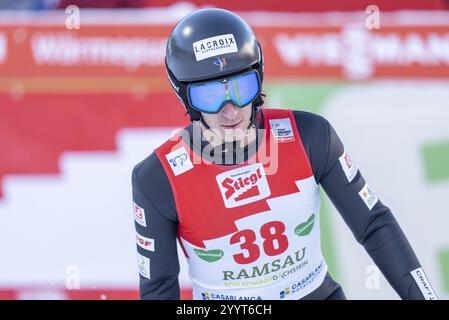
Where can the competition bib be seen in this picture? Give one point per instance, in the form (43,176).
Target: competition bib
(249,231)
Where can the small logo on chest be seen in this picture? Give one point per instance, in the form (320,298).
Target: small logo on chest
(243,185)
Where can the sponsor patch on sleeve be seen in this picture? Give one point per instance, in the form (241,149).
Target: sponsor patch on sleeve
(368,197)
(145,243)
(282,130)
(179,161)
(348,167)
(139,215)
(424,284)
(214,46)
(143,264)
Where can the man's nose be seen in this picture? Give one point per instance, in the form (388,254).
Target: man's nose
(229,111)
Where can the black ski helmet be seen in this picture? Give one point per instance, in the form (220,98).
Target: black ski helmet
(198,40)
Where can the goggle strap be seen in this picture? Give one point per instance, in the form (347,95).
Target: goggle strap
(236,92)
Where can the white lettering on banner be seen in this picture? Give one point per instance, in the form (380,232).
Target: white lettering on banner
(139,215)
(3,47)
(372,21)
(68,50)
(430,50)
(73,19)
(368,49)
(282,130)
(348,167)
(309,48)
(243,185)
(356,61)
(179,161)
(145,243)
(423,284)
(143,264)
(214,46)
(387,49)
(368,197)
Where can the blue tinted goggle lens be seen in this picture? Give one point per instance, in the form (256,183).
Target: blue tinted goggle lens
(211,96)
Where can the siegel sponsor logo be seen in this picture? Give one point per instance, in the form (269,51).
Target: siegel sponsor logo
(243,185)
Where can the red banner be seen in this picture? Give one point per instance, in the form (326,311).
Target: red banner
(347,52)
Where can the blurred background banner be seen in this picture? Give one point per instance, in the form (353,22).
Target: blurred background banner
(84,97)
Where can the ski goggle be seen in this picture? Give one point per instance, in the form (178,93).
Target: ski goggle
(210,97)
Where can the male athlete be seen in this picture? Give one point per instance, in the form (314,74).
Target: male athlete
(239,187)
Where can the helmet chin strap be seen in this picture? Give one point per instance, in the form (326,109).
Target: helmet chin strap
(204,122)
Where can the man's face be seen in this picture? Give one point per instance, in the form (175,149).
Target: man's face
(230,123)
